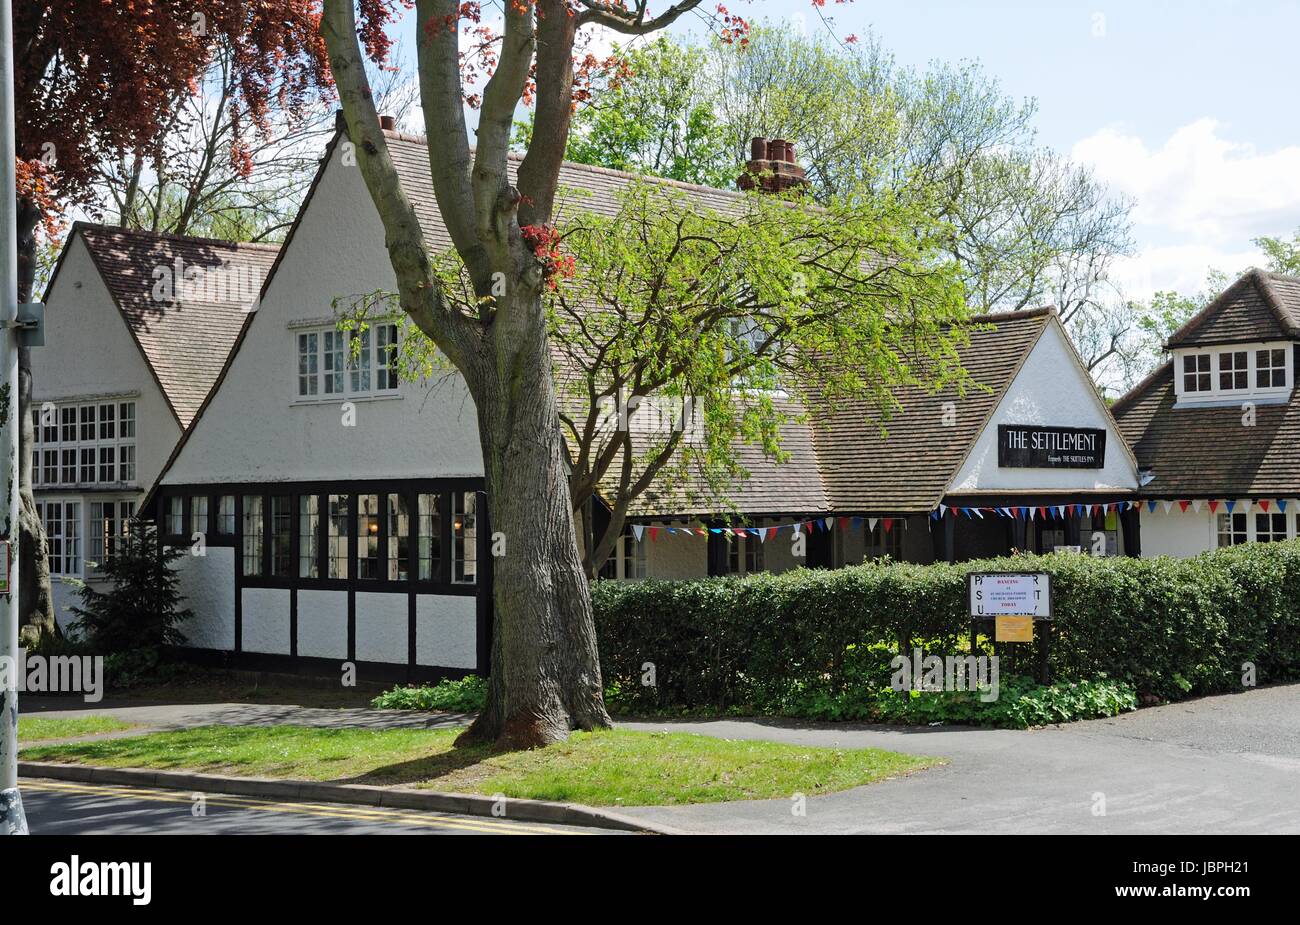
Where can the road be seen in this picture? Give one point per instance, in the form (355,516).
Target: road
(66,808)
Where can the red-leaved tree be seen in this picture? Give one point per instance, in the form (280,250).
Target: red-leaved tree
(95,79)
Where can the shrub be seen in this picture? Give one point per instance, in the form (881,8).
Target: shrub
(464,696)
(142,608)
(816,642)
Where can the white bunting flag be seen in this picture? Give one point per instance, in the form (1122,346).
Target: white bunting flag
(637,530)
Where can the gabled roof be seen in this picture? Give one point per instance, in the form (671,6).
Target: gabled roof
(1259,306)
(912,465)
(184,340)
(1209,452)
(838,460)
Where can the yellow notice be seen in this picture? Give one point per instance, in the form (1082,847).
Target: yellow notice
(1014,629)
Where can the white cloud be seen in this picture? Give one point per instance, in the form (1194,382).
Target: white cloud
(1200,199)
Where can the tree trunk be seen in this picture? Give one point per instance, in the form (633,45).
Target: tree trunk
(35,598)
(545,669)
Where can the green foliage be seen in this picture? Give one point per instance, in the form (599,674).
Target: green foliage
(647,117)
(464,696)
(1283,255)
(141,612)
(818,643)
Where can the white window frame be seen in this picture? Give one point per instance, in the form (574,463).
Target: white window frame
(1217,357)
(69,541)
(74,419)
(745,555)
(360,378)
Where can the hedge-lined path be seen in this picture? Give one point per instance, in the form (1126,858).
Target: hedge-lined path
(1220,764)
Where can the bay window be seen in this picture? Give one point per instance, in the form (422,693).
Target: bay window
(85,444)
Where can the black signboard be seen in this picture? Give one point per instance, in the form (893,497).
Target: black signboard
(1033,446)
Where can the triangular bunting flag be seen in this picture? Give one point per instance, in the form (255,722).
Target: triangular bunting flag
(1169,506)
(1263,505)
(1151,507)
(654,533)
(871,523)
(1214,506)
(1281,505)
(888,523)
(1196,505)
(637,530)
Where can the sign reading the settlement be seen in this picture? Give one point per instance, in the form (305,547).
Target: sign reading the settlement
(994,594)
(1034,446)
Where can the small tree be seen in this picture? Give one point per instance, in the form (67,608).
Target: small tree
(142,610)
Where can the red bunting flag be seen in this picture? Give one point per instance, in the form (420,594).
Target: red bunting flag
(1263,504)
(1183,505)
(654,533)
(887,523)
(1214,505)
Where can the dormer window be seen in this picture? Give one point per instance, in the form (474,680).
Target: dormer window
(1233,372)
(1196,373)
(1270,369)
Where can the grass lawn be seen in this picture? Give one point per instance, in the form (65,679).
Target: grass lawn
(35,728)
(602,769)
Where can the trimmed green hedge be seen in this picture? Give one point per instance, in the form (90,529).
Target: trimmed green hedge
(786,643)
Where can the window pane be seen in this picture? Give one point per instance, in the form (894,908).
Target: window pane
(71,538)
(337,548)
(308,536)
(107,463)
(252,534)
(386,356)
(100,525)
(175,516)
(69,466)
(333,360)
(199,514)
(360,364)
(1270,528)
(399,538)
(88,423)
(464,538)
(282,536)
(68,425)
(308,363)
(108,422)
(367,536)
(126,463)
(226,515)
(430,538)
(126,411)
(88,465)
(50,466)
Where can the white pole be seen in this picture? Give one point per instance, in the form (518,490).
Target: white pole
(12,819)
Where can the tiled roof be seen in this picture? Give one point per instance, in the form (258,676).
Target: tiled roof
(838,459)
(909,468)
(1258,306)
(1209,452)
(184,339)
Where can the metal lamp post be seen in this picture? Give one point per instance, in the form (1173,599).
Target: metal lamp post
(13,821)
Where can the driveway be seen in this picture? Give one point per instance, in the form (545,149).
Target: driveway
(1228,764)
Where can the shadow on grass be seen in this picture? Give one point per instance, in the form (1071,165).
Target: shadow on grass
(423,770)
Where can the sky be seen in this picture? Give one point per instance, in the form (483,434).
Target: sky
(1188,107)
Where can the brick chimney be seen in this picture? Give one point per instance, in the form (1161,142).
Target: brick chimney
(772,167)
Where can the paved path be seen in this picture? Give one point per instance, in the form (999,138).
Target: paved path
(1220,764)
(65,808)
